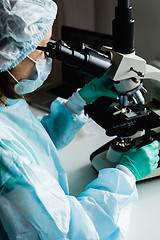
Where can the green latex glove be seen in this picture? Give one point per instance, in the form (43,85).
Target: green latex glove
(98,87)
(141,161)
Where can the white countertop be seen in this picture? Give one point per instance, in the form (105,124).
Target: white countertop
(145,215)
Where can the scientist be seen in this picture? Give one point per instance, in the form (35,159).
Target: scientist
(34,197)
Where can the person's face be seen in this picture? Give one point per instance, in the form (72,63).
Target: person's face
(24,68)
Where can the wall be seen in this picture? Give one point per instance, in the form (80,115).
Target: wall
(104,15)
(147,16)
(75,13)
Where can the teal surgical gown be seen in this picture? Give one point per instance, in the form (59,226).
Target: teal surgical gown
(34,198)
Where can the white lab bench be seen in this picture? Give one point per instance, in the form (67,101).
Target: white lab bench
(145,215)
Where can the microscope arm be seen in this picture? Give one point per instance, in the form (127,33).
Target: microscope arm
(128,72)
(152,73)
(129,66)
(125,66)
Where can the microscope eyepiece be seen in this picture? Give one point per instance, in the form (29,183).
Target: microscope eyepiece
(88,59)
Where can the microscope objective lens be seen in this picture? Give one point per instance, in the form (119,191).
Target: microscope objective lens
(122,143)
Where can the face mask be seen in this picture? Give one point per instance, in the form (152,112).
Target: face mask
(36,79)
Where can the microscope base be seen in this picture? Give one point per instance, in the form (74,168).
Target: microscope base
(99,162)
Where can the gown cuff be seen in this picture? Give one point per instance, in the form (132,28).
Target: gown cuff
(125,170)
(76,103)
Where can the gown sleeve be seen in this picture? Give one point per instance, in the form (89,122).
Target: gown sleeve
(61,124)
(41,210)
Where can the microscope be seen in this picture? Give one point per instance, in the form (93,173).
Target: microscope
(128,119)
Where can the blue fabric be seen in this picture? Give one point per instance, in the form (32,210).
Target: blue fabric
(23,24)
(34,198)
(37,78)
(60,124)
(3,234)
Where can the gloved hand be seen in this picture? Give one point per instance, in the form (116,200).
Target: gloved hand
(141,161)
(98,87)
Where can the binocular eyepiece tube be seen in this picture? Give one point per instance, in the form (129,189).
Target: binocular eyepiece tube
(88,60)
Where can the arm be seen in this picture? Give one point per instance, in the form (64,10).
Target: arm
(108,201)
(40,209)
(67,116)
(62,124)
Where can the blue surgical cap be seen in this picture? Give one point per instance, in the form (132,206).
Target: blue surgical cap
(23,24)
